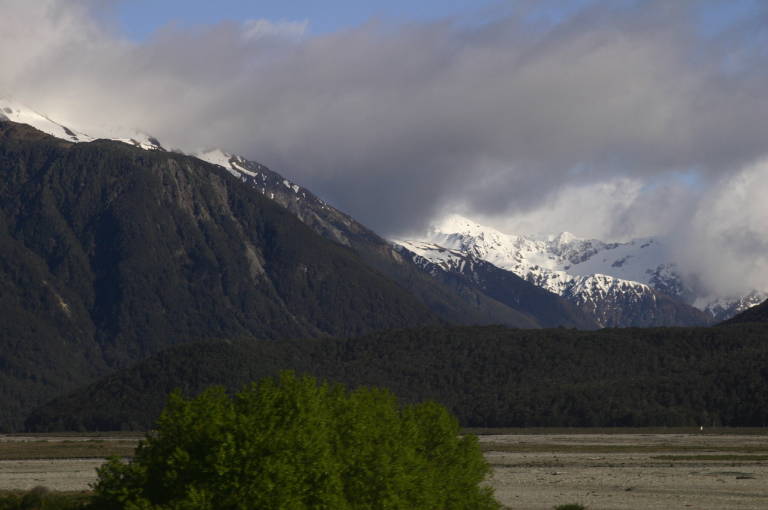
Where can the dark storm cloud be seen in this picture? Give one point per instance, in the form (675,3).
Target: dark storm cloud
(395,124)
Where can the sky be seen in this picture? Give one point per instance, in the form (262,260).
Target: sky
(140,18)
(606,118)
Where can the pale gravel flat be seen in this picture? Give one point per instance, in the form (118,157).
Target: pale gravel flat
(628,481)
(542,479)
(55,474)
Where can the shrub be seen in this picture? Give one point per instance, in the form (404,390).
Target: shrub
(295,444)
(40,498)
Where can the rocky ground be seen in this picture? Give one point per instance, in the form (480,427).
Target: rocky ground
(633,471)
(531,471)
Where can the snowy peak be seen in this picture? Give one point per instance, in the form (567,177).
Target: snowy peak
(456,224)
(269,183)
(427,254)
(142,141)
(639,260)
(581,269)
(256,174)
(606,300)
(17,112)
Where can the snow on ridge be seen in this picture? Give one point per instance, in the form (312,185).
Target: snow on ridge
(563,252)
(216,157)
(238,166)
(17,112)
(567,264)
(432,252)
(560,282)
(559,263)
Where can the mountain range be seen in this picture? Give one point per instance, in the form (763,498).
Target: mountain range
(613,284)
(113,249)
(634,283)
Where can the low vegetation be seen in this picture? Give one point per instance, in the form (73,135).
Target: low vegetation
(41,498)
(622,448)
(294,443)
(65,449)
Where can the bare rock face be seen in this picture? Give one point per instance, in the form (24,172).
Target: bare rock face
(452,297)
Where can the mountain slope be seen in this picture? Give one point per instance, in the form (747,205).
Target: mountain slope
(757,313)
(453,301)
(110,253)
(549,309)
(454,298)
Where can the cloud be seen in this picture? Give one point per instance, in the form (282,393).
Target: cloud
(586,118)
(725,240)
(266,29)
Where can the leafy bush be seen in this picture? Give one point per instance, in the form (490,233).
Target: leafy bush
(571,506)
(295,444)
(40,498)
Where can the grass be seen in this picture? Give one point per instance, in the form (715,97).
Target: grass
(67,446)
(42,498)
(66,449)
(616,448)
(729,458)
(718,431)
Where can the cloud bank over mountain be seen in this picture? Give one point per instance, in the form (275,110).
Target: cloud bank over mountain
(616,119)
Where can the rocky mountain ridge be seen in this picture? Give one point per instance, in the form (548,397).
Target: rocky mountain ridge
(583,270)
(608,301)
(590,273)
(109,253)
(453,299)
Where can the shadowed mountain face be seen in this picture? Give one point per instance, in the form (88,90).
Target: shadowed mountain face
(757,313)
(549,309)
(501,298)
(109,253)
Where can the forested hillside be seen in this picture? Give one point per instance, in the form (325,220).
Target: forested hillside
(757,313)
(488,376)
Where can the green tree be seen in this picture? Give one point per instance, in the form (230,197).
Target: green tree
(294,444)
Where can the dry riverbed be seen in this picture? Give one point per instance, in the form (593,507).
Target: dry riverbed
(630,471)
(531,469)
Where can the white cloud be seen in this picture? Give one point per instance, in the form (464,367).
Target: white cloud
(725,241)
(266,29)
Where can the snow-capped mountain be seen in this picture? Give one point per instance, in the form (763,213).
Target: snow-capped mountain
(608,301)
(268,182)
(586,271)
(556,262)
(17,112)
(547,308)
(457,301)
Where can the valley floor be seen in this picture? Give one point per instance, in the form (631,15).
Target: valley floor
(532,469)
(630,471)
